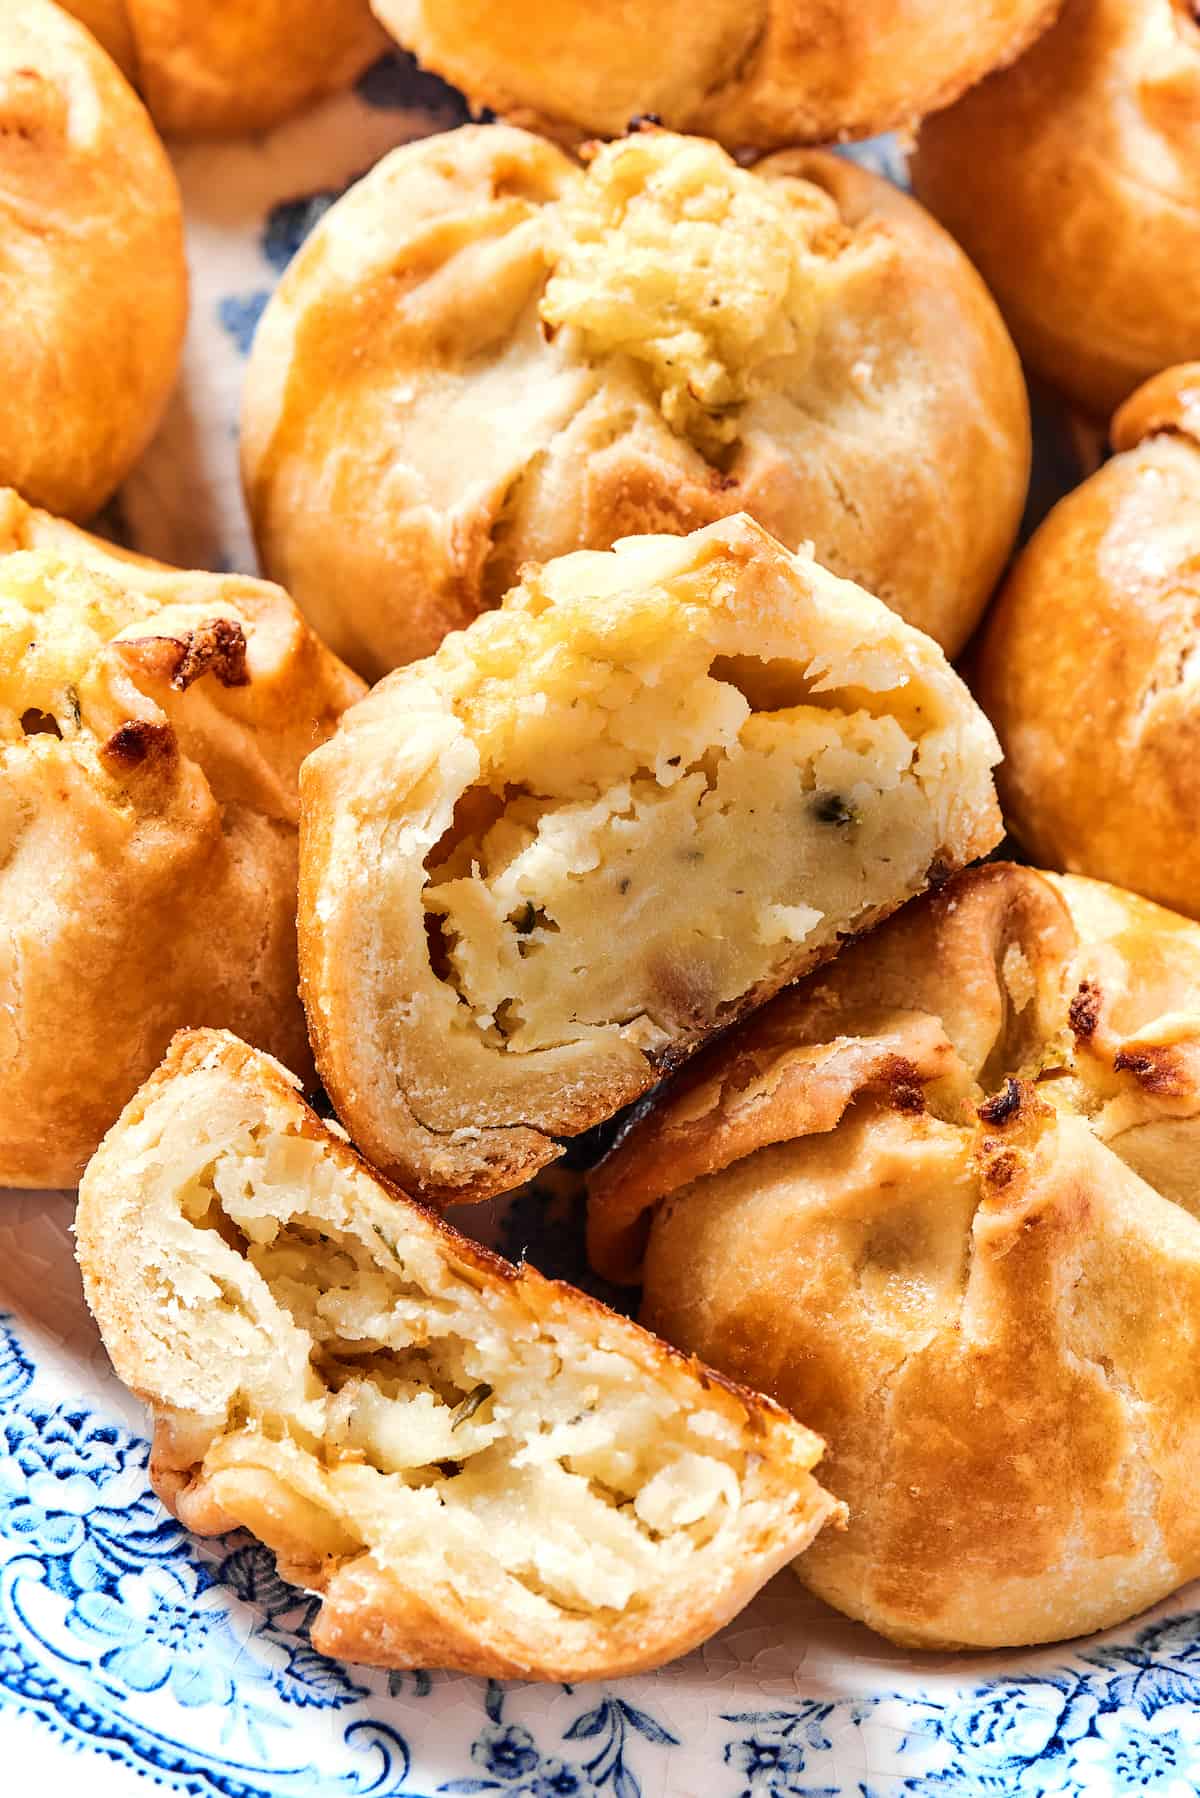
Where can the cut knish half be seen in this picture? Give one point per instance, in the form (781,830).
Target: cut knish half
(475,1467)
(659,783)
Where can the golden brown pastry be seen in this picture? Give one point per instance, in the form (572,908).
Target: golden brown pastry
(93,282)
(152,723)
(475,1467)
(773,73)
(1072,180)
(108,21)
(654,786)
(1089,668)
(486,354)
(213,68)
(943,1200)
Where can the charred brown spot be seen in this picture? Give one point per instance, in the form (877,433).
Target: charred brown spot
(132,744)
(1084,1011)
(36,723)
(1156,1069)
(216,648)
(902,1083)
(1003,1106)
(1001,1170)
(939,871)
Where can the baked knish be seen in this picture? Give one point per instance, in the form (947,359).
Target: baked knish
(776,73)
(488,354)
(1072,180)
(93,282)
(475,1467)
(214,68)
(943,1199)
(1088,663)
(655,785)
(152,723)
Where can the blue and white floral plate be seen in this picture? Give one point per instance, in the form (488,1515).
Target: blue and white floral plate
(129,1651)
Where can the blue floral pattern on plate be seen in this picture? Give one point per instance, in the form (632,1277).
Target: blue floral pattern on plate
(192,1661)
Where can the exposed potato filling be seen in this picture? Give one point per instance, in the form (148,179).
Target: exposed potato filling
(387,1401)
(670,253)
(55,619)
(560,919)
(661,821)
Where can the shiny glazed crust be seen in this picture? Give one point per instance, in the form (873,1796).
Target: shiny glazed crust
(1072,181)
(409,1513)
(413,431)
(93,283)
(704,749)
(942,1198)
(149,824)
(1087,663)
(213,68)
(766,75)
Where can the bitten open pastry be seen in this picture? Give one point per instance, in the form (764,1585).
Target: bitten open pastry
(475,1467)
(1072,180)
(216,67)
(943,1200)
(488,354)
(1088,664)
(654,786)
(93,282)
(152,723)
(766,74)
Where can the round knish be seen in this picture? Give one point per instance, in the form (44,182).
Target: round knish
(211,68)
(93,282)
(152,724)
(704,749)
(1072,180)
(486,354)
(1090,662)
(766,74)
(943,1201)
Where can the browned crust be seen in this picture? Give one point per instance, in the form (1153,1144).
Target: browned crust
(93,277)
(153,880)
(1069,179)
(795,1067)
(229,67)
(793,73)
(989,1311)
(768,1082)
(136,743)
(1101,772)
(1169,401)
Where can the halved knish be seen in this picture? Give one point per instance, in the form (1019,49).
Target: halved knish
(476,1467)
(656,785)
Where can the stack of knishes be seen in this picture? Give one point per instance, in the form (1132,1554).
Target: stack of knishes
(652,463)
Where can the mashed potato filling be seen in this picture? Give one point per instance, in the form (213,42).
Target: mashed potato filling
(704,273)
(662,820)
(359,1387)
(714,872)
(55,619)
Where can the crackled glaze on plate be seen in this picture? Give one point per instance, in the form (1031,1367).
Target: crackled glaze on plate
(129,1648)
